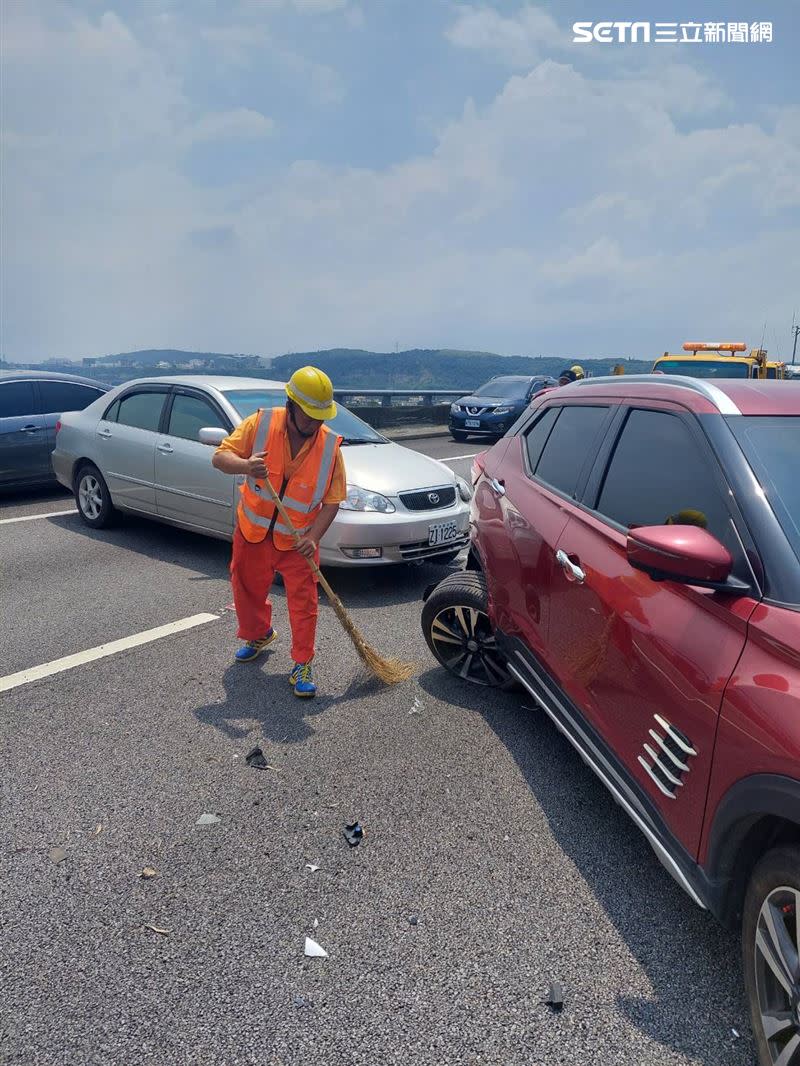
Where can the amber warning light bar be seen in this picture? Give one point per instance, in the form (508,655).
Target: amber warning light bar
(712,346)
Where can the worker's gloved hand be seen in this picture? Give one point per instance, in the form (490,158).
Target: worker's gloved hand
(307,546)
(256,468)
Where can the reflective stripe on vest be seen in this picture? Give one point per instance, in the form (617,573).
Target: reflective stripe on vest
(257,514)
(259,445)
(260,520)
(325,467)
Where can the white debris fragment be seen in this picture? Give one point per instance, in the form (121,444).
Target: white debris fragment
(310,866)
(207,819)
(316,923)
(416,706)
(313,950)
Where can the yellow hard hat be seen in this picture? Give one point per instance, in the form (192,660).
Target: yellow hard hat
(312,391)
(688,517)
(578,371)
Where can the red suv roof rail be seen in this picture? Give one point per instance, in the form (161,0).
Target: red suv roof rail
(720,399)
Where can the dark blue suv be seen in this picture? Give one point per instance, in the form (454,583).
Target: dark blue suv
(491,409)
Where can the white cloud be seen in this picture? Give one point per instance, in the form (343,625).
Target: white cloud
(518,40)
(239,124)
(318,7)
(569,206)
(235,44)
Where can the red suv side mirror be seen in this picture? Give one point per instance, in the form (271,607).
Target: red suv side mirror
(687,554)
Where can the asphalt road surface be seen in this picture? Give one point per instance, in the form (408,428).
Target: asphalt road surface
(493,861)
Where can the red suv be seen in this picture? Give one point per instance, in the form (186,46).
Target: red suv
(635,565)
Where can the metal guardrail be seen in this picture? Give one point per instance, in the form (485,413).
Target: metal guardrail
(426,397)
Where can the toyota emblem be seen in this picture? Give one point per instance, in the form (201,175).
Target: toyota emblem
(433,497)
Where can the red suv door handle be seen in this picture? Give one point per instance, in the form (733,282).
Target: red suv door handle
(497,486)
(569,567)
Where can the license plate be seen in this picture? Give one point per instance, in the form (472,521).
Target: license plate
(442,532)
(472,423)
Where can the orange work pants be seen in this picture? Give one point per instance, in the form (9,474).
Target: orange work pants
(253,569)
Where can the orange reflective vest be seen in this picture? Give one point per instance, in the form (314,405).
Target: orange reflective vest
(302,494)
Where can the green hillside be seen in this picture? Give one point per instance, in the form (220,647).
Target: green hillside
(429,368)
(434,367)
(152,356)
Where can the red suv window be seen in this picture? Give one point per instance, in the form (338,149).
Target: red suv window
(568,445)
(659,472)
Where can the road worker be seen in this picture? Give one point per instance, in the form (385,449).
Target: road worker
(566,377)
(578,371)
(302,459)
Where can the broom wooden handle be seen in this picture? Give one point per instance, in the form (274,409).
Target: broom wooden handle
(296,536)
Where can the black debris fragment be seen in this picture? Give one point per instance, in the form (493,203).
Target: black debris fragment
(255,758)
(413,920)
(353,834)
(555,1001)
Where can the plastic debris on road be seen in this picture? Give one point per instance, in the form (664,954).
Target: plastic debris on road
(314,951)
(98,829)
(413,920)
(57,855)
(208,819)
(148,873)
(555,1001)
(255,758)
(157,929)
(353,834)
(416,706)
(310,866)
(316,923)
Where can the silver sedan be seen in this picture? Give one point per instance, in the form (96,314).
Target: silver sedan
(144,448)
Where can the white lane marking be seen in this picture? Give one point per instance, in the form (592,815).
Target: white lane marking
(57,666)
(452,458)
(30,517)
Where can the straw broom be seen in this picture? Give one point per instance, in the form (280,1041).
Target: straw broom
(390,671)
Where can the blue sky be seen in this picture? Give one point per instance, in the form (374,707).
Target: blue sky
(273,175)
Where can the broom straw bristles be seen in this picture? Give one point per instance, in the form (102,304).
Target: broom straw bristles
(389,671)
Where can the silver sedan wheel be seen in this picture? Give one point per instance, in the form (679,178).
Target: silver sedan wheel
(777,973)
(465,644)
(90,496)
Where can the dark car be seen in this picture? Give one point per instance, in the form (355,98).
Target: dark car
(635,565)
(490,410)
(31,402)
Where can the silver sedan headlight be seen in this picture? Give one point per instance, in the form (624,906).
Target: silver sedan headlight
(464,491)
(359,499)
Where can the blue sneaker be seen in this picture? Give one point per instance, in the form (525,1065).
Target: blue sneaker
(251,649)
(302,679)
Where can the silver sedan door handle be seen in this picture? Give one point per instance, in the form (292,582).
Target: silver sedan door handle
(31,429)
(497,486)
(165,449)
(104,433)
(569,567)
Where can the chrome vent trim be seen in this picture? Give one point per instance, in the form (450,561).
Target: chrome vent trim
(655,780)
(668,762)
(676,781)
(676,735)
(595,761)
(670,754)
